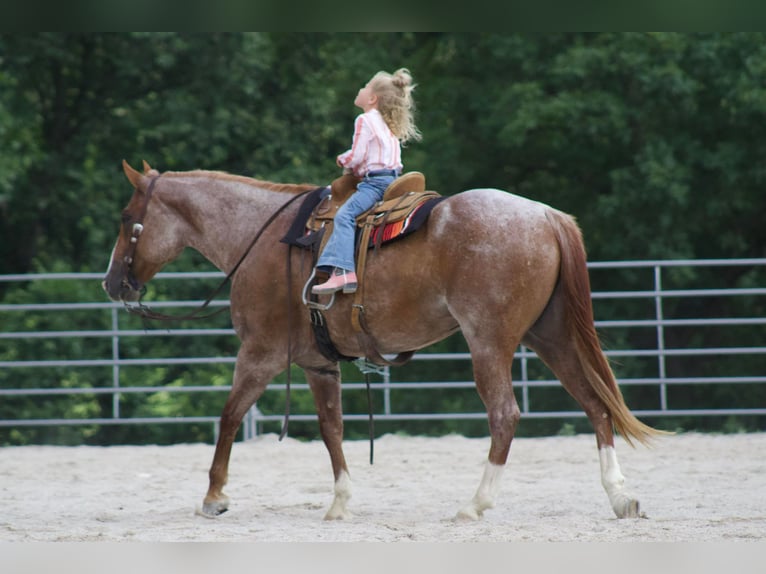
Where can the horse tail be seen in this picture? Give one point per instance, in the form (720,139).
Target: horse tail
(574,283)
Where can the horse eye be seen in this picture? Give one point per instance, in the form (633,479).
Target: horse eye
(126,217)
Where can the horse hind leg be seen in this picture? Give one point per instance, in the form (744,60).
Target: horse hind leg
(493,382)
(558,351)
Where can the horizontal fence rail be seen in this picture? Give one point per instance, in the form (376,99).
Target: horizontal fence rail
(660,348)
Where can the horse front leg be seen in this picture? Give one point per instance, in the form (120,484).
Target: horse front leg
(493,382)
(249,382)
(326,389)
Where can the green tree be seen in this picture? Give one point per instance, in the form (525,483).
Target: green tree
(653,141)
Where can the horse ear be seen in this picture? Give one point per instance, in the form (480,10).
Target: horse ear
(133,176)
(149,171)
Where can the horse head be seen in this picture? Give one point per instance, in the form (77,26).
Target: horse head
(138,254)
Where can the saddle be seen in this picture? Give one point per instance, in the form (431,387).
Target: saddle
(405,207)
(405,195)
(401,198)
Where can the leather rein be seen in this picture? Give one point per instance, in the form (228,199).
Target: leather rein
(146,312)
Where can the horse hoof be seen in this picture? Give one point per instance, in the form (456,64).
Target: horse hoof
(213,508)
(337,514)
(469,513)
(629,508)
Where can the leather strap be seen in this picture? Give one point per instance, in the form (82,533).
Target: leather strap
(358,320)
(367,341)
(361,265)
(147,313)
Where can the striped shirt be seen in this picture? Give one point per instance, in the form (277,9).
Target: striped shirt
(374,146)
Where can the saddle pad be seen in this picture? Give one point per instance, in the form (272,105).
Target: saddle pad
(298,227)
(296,234)
(400,229)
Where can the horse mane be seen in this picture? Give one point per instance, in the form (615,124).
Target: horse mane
(222,175)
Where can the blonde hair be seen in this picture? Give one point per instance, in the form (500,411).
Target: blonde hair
(395,103)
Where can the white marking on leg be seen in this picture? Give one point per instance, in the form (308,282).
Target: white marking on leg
(485,494)
(338,509)
(624,505)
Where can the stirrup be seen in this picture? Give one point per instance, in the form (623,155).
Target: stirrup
(314,304)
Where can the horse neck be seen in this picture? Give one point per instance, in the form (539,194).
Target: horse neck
(220,213)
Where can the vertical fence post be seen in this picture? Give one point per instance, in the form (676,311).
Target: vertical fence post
(247,425)
(660,337)
(115,364)
(387,390)
(524,380)
(251,424)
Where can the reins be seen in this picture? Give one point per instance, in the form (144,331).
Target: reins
(146,312)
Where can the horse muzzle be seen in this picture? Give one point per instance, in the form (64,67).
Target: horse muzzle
(122,289)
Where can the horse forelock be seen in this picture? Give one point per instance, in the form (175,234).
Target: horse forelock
(257,183)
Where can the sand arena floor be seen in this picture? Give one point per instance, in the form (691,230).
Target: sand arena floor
(693,487)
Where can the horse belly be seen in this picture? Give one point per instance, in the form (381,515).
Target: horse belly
(405,301)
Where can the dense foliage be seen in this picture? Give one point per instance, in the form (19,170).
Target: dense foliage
(654,141)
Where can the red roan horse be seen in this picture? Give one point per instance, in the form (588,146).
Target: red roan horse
(502,269)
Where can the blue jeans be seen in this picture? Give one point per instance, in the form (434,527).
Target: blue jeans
(339,249)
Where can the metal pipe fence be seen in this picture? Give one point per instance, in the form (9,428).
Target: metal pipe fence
(660,315)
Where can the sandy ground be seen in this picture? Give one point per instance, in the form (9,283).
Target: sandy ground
(692,487)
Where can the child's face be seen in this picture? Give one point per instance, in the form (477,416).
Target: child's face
(366,98)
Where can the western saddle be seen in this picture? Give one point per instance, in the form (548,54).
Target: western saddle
(405,194)
(402,197)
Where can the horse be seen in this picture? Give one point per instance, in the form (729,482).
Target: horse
(502,269)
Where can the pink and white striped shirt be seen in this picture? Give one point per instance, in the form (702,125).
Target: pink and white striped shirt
(374,146)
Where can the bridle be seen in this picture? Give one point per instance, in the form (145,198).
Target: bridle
(129,280)
(147,313)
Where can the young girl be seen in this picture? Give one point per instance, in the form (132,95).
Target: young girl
(375,156)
